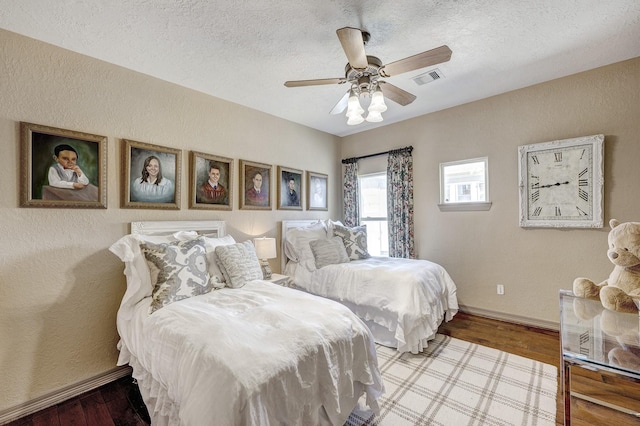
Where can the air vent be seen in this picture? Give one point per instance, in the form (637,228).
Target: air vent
(428,77)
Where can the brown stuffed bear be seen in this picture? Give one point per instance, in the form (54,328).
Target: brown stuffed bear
(621,291)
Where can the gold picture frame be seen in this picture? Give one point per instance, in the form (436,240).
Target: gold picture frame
(290,188)
(143,162)
(252,198)
(317,191)
(62,168)
(210,181)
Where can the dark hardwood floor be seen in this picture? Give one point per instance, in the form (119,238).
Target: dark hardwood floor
(119,403)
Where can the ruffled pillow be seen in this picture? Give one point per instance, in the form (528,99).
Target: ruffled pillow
(239,263)
(178,271)
(329,252)
(297,247)
(354,239)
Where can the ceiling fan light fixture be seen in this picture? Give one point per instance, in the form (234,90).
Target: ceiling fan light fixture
(377,102)
(374,117)
(354,119)
(353,106)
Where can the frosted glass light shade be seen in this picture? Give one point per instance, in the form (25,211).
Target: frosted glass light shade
(374,116)
(354,119)
(353,105)
(377,102)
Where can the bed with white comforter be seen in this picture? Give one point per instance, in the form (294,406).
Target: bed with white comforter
(260,354)
(403,301)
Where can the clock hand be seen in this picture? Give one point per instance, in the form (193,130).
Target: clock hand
(554,184)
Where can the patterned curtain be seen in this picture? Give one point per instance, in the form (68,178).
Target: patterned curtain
(400,203)
(351,194)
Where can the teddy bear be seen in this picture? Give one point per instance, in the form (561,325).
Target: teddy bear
(621,291)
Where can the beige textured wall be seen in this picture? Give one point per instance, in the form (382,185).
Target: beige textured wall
(60,288)
(483,249)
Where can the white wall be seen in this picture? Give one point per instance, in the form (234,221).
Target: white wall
(486,248)
(60,288)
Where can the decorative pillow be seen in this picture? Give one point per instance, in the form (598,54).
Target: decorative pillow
(329,251)
(217,275)
(240,263)
(354,239)
(329,224)
(178,269)
(297,247)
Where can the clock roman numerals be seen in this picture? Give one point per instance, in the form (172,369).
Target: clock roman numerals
(535,195)
(583,194)
(558,212)
(537,211)
(558,156)
(581,212)
(535,160)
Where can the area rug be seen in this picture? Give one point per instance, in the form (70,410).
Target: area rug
(460,383)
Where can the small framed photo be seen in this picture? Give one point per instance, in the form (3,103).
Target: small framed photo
(211,181)
(289,189)
(317,185)
(255,186)
(62,168)
(151,176)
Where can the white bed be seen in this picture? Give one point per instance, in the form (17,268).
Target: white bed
(402,301)
(258,354)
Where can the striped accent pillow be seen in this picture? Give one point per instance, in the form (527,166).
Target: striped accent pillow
(329,251)
(239,263)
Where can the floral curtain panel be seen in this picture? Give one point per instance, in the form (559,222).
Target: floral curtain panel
(400,203)
(351,194)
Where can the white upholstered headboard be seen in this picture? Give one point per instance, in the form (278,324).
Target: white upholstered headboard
(210,228)
(288,224)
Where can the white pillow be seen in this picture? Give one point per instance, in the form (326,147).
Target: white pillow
(179,269)
(240,263)
(297,247)
(217,275)
(329,251)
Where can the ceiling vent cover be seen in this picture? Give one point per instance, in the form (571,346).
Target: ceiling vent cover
(428,77)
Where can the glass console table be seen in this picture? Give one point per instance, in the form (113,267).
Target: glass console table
(600,374)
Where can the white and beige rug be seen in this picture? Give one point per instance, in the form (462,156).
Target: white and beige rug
(460,383)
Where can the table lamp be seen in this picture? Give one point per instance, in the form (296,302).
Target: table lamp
(265,249)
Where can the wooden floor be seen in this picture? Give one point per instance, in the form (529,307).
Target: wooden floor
(119,403)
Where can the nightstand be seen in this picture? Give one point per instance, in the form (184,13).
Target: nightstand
(599,385)
(283,280)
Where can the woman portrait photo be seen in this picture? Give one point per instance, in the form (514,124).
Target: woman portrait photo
(317,190)
(153,176)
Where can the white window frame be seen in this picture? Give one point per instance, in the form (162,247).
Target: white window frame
(370,218)
(465,205)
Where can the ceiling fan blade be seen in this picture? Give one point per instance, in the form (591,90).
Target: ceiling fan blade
(421,60)
(341,105)
(353,46)
(396,94)
(300,83)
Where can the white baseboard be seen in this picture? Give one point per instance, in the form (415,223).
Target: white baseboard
(516,319)
(62,394)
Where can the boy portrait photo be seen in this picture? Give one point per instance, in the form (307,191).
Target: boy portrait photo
(211,181)
(62,168)
(289,189)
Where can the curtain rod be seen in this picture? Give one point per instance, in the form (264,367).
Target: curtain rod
(393,151)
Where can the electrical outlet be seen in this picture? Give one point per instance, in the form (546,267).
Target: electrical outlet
(500,289)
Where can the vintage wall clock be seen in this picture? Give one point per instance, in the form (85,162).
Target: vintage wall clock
(561,183)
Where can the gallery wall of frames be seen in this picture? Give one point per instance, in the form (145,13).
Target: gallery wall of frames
(68,169)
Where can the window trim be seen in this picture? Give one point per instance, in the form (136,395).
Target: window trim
(466,205)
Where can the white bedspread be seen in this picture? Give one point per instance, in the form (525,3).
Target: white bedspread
(258,355)
(409,297)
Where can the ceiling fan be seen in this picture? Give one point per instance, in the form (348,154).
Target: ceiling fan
(365,74)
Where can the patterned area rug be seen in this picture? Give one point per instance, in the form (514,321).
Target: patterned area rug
(460,383)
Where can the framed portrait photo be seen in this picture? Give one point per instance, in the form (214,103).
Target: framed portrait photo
(62,168)
(317,186)
(255,185)
(150,176)
(290,184)
(210,181)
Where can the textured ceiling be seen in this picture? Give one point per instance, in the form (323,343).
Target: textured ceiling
(244,50)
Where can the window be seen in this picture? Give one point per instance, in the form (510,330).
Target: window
(464,185)
(373,212)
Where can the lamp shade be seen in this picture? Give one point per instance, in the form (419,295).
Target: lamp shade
(265,247)
(377,102)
